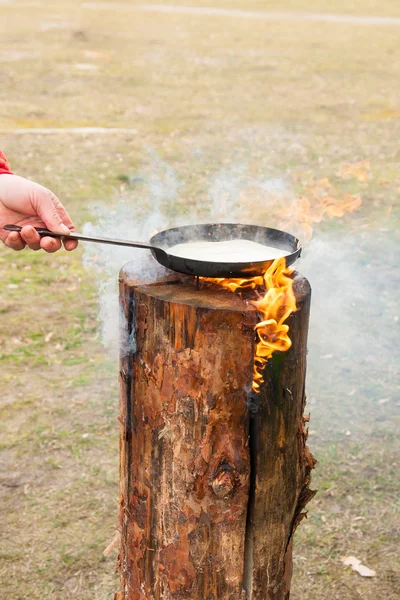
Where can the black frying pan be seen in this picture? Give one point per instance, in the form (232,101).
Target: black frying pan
(215,232)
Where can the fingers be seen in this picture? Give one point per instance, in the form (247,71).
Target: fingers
(51,211)
(66,219)
(50,245)
(14,241)
(70,245)
(56,218)
(36,242)
(31,237)
(29,204)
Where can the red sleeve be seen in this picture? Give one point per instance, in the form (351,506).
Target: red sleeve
(4,166)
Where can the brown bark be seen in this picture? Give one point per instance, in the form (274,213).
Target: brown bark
(281,462)
(191,526)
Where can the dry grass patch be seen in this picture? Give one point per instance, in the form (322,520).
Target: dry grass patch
(209,97)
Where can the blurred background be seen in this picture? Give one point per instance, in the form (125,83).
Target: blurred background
(139,116)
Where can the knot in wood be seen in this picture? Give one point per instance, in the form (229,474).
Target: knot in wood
(223,484)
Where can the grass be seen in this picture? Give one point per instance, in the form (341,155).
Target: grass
(279,99)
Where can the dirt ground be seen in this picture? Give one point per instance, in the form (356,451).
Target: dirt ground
(291,99)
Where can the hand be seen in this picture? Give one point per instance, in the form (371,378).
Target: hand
(30,205)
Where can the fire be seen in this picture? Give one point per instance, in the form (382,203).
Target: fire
(277,301)
(358,170)
(275,307)
(234,284)
(320,199)
(299,212)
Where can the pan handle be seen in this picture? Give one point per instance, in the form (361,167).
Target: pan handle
(88,238)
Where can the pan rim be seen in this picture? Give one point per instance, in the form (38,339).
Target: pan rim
(293,240)
(226,269)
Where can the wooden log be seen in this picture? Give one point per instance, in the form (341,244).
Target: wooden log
(281,462)
(206,511)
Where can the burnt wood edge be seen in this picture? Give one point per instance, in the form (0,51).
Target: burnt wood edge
(302,290)
(126,380)
(247,578)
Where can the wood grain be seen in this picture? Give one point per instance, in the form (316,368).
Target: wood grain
(191,527)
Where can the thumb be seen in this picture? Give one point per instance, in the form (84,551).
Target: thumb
(48,208)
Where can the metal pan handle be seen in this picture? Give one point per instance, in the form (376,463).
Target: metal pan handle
(88,238)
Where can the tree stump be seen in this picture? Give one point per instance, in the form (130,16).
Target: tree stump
(214,477)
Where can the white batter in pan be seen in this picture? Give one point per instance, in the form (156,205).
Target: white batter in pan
(229,251)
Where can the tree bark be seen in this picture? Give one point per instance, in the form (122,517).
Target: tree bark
(281,462)
(213,477)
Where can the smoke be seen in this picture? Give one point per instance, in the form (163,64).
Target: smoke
(236,196)
(143,208)
(353,354)
(154,199)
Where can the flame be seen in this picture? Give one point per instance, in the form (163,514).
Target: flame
(234,284)
(275,307)
(358,170)
(299,212)
(277,301)
(320,199)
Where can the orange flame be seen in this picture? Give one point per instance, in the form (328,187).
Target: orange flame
(277,302)
(234,284)
(323,199)
(298,213)
(358,170)
(275,307)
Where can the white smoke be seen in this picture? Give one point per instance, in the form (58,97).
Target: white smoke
(136,216)
(148,204)
(353,354)
(352,348)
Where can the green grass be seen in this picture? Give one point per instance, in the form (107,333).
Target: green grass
(280,99)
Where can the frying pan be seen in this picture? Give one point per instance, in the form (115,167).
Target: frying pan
(215,232)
